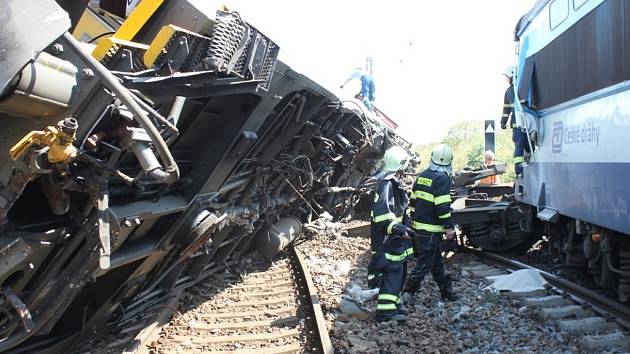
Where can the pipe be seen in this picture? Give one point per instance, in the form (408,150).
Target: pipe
(155,114)
(271,241)
(163,176)
(132,252)
(109,80)
(173,116)
(176,109)
(615,270)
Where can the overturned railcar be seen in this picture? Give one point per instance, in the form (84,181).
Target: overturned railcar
(142,154)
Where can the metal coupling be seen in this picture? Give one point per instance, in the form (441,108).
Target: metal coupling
(58,139)
(139,142)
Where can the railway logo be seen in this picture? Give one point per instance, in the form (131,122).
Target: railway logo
(578,135)
(556,140)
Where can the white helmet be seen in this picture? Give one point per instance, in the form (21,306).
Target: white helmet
(510,71)
(441,158)
(395,159)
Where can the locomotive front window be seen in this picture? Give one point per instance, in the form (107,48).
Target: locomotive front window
(558,12)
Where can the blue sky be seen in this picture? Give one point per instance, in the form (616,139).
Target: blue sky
(435,62)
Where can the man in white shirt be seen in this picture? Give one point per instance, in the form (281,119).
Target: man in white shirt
(367,85)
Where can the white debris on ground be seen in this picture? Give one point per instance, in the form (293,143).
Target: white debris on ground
(522,280)
(480,322)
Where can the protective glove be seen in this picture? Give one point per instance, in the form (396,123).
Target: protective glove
(401,230)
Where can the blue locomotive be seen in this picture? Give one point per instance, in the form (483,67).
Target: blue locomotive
(573,82)
(572,101)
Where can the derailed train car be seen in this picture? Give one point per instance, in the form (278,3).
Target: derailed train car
(151,153)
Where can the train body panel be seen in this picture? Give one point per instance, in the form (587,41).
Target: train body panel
(572,91)
(572,87)
(579,169)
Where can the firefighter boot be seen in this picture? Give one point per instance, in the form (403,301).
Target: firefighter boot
(412,285)
(384,316)
(402,310)
(446,290)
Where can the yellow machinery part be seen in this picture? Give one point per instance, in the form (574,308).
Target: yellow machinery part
(114,44)
(160,42)
(157,45)
(60,145)
(93,24)
(130,27)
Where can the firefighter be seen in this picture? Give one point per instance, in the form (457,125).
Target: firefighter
(390,241)
(518,136)
(431,218)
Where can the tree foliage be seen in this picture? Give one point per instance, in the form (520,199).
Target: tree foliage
(466,138)
(475,156)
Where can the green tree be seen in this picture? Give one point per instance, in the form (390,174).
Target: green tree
(466,139)
(476,156)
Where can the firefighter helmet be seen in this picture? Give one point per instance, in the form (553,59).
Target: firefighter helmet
(395,159)
(442,155)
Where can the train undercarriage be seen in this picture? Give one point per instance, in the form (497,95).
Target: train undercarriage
(139,164)
(492,220)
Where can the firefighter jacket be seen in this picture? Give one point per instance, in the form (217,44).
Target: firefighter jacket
(431,202)
(390,204)
(508,108)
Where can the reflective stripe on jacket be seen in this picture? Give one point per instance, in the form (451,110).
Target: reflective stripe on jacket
(390,203)
(431,199)
(508,108)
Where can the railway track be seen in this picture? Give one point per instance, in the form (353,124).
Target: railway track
(268,308)
(602,322)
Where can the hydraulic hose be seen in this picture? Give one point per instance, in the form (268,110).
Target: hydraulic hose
(155,114)
(171,171)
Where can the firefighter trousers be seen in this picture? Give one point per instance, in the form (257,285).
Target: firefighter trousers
(520,145)
(428,259)
(375,275)
(393,267)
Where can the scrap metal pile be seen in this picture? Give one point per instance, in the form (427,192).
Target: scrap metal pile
(140,157)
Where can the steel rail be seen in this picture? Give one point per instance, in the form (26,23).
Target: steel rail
(599,303)
(303,282)
(322,329)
